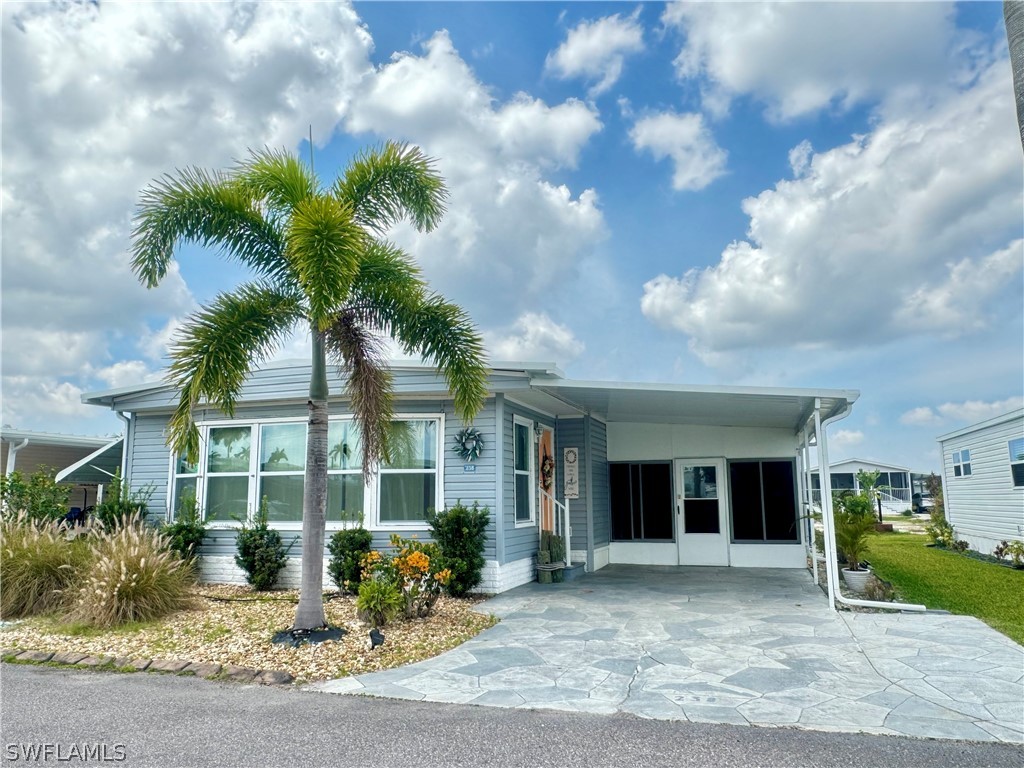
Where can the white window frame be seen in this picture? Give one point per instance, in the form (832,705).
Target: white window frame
(530,471)
(262,473)
(371,489)
(376,524)
(1015,462)
(962,463)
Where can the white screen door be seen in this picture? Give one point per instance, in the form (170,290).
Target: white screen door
(702,529)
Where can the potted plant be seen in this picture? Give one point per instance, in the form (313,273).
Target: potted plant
(854,519)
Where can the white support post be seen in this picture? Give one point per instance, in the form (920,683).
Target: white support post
(831,565)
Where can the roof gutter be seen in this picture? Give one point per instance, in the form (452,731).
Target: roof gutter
(12,452)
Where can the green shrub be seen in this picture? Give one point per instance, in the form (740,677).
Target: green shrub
(39,561)
(37,498)
(122,504)
(186,533)
(1012,551)
(348,548)
(379,601)
(461,532)
(415,570)
(132,576)
(942,533)
(261,554)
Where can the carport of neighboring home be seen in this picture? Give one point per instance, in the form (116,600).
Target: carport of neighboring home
(687,475)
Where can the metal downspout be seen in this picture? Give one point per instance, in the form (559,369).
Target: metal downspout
(124,452)
(828,517)
(12,452)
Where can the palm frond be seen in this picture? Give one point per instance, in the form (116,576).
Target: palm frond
(205,208)
(277,178)
(325,246)
(392,182)
(218,346)
(387,280)
(360,353)
(443,333)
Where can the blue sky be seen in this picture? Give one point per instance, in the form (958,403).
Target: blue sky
(810,194)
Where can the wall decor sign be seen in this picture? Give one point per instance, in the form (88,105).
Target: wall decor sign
(571,457)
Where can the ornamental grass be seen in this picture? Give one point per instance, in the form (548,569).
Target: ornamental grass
(132,577)
(40,560)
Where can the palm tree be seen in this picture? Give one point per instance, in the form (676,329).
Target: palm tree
(1013,17)
(321,260)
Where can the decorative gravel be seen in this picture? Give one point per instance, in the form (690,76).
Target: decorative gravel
(234,625)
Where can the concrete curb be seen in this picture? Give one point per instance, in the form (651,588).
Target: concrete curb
(207,671)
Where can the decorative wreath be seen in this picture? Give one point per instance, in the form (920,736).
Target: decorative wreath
(547,471)
(469,443)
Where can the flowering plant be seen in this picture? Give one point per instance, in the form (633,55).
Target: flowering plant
(415,568)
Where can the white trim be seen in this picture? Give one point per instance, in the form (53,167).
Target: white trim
(643,553)
(1014,414)
(602,557)
(522,421)
(768,555)
(87,460)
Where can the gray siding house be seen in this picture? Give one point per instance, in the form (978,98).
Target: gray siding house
(983,480)
(634,473)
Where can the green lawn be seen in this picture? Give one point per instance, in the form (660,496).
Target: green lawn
(942,579)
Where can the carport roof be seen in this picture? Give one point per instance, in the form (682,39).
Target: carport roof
(702,405)
(98,467)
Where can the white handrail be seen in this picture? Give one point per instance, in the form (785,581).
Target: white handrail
(562,527)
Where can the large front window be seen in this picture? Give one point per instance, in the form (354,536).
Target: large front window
(522,439)
(763,500)
(245,465)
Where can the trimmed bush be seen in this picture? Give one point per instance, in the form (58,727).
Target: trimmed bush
(348,548)
(186,533)
(261,554)
(39,562)
(461,532)
(379,601)
(37,498)
(133,576)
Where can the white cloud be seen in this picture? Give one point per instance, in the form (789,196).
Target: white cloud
(846,438)
(922,416)
(99,99)
(870,238)
(535,337)
(696,158)
(509,233)
(798,58)
(966,412)
(596,50)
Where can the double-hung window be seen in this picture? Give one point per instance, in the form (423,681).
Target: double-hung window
(522,441)
(282,471)
(408,484)
(346,495)
(962,463)
(228,455)
(1017,461)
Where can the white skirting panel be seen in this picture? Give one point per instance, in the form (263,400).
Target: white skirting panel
(602,557)
(768,555)
(221,569)
(501,578)
(643,553)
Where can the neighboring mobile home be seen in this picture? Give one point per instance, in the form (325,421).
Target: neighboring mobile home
(645,473)
(983,480)
(893,482)
(27,452)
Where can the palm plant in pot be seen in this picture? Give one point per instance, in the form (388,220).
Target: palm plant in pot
(854,519)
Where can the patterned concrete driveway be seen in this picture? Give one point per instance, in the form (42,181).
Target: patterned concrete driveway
(725,645)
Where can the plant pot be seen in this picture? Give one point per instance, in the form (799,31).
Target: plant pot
(856,580)
(543,577)
(557,576)
(883,527)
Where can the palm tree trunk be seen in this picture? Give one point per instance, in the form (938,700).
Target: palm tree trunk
(1013,15)
(310,613)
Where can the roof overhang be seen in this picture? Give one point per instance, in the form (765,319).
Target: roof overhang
(98,467)
(767,407)
(51,438)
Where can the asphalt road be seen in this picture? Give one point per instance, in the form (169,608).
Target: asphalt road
(177,721)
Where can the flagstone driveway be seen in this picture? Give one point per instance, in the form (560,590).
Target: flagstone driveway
(725,645)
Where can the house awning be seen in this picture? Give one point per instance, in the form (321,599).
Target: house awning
(98,467)
(771,407)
